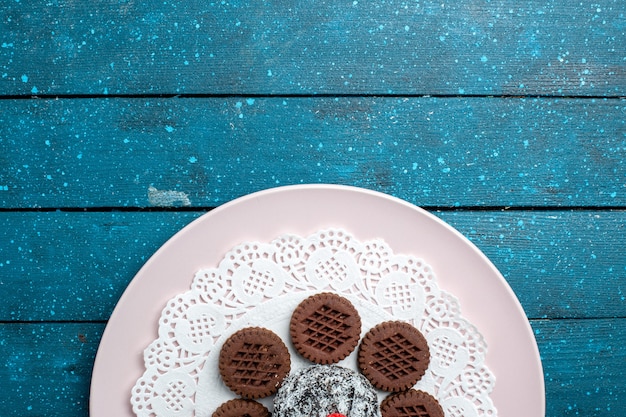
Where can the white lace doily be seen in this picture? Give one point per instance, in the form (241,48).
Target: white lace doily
(260,284)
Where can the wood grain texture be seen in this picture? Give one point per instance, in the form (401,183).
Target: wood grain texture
(46,368)
(205,152)
(584,365)
(473,47)
(75,266)
(560,264)
(72,266)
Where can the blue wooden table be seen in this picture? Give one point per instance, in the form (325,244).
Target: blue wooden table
(122,121)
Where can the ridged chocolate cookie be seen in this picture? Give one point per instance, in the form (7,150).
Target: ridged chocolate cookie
(325,328)
(411,403)
(394,355)
(253,362)
(241,408)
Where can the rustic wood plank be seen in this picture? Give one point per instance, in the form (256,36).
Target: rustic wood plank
(205,152)
(560,264)
(71,266)
(474,47)
(75,266)
(46,368)
(584,365)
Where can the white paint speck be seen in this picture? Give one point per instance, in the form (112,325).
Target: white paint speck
(193,159)
(167,198)
(47,142)
(169,128)
(483,58)
(269,73)
(250,101)
(24,78)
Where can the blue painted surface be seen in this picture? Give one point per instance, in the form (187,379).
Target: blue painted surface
(386,47)
(202,152)
(506,119)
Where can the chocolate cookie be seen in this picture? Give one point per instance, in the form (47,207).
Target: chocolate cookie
(253,362)
(325,328)
(393,355)
(241,408)
(411,403)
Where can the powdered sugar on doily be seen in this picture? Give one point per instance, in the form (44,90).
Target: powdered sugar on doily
(260,284)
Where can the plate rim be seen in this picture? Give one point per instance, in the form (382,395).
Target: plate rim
(251,199)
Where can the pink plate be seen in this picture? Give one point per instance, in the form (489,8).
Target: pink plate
(485,298)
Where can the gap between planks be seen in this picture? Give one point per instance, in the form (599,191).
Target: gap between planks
(204,209)
(321,95)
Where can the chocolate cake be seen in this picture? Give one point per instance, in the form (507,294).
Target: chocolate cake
(322,390)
